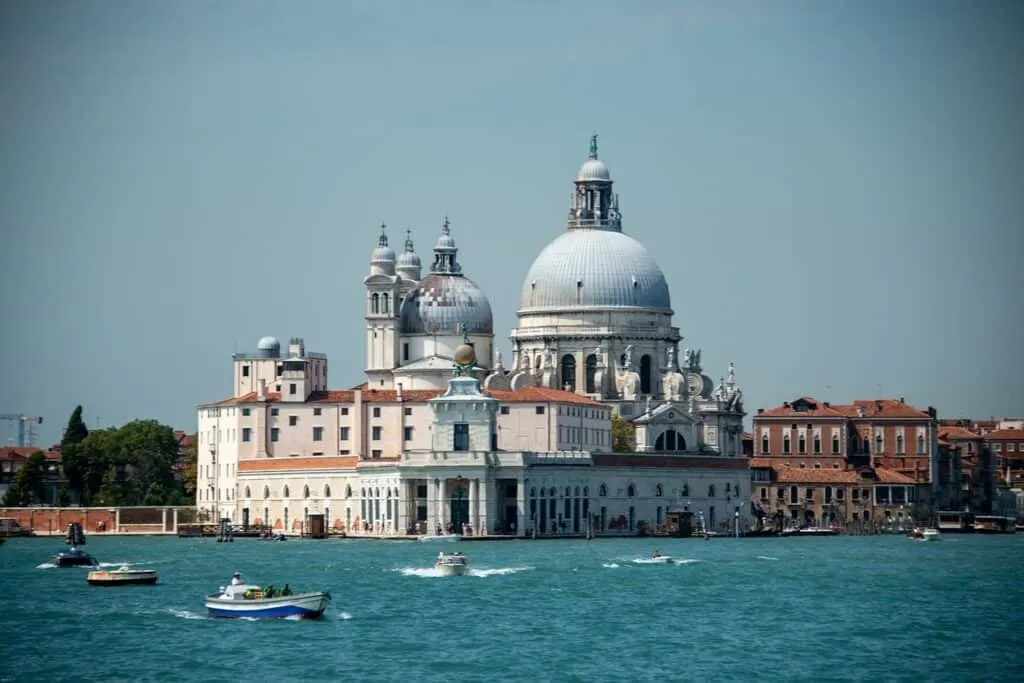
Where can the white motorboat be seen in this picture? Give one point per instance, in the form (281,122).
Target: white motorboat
(245,600)
(924,534)
(452,564)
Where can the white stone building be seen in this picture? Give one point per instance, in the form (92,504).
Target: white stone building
(415,449)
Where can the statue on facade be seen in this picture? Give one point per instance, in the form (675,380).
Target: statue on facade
(627,358)
(464,361)
(687,359)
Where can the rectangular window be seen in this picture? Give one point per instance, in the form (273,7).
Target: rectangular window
(246,434)
(835,445)
(280,369)
(780,493)
(817,443)
(461,440)
(376,454)
(318,411)
(999,447)
(293,420)
(856,494)
(1010,448)
(376,433)
(539,410)
(376,412)
(291,389)
(504,410)
(344,451)
(245,412)
(801,444)
(405,351)
(840,494)
(764,445)
(274,432)
(785,444)
(408,411)
(273,411)
(764,493)
(318,433)
(810,494)
(245,371)
(407,434)
(344,411)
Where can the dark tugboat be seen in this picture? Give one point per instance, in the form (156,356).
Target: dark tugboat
(73,556)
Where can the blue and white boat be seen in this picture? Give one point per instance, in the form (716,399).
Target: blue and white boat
(244,600)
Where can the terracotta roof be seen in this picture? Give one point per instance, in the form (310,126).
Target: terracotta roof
(526,395)
(786,474)
(887,476)
(809,407)
(1006,435)
(23,453)
(956,433)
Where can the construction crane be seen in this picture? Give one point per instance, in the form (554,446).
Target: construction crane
(25,427)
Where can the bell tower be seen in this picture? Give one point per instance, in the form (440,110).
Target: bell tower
(382,292)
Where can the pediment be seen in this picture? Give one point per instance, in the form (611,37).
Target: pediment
(670,413)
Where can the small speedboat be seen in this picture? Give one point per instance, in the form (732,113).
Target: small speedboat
(125,576)
(74,557)
(245,600)
(924,534)
(660,559)
(453,564)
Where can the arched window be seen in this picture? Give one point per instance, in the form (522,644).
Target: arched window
(247,495)
(764,444)
(899,444)
(879,444)
(375,303)
(568,373)
(671,440)
(286,491)
(348,490)
(801,444)
(630,491)
(568,492)
(266,492)
(657,491)
(327,490)
(645,374)
(920,445)
(586,492)
(552,493)
(686,489)
(577,492)
(533,493)
(785,443)
(305,491)
(835,444)
(603,491)
(591,371)
(384,303)
(817,443)
(711,491)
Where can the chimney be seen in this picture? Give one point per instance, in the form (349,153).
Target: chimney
(901,400)
(760,411)
(826,404)
(261,390)
(398,393)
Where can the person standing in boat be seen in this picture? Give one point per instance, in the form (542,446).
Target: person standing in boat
(236,579)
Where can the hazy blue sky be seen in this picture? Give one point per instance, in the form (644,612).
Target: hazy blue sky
(833,189)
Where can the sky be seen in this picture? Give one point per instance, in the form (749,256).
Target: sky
(833,189)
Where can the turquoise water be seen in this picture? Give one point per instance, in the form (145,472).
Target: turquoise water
(876,608)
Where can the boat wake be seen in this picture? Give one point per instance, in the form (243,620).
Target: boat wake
(766,557)
(610,565)
(663,560)
(345,616)
(46,565)
(431,572)
(185,614)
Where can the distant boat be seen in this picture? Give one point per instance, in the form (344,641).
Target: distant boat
(443,537)
(124,576)
(74,556)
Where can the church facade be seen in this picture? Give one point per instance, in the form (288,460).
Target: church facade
(523,450)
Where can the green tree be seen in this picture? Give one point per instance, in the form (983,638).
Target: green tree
(27,486)
(190,471)
(74,461)
(623,435)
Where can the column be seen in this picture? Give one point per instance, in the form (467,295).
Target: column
(520,507)
(488,500)
(474,498)
(438,503)
(164,521)
(117,520)
(403,506)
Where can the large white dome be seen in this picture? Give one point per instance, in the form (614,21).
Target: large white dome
(594,269)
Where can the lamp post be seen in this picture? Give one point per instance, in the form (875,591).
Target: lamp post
(737,522)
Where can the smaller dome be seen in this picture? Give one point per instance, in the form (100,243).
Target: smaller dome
(465,355)
(382,253)
(408,260)
(445,241)
(268,344)
(593,169)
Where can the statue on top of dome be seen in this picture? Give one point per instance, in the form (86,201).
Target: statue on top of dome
(593,146)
